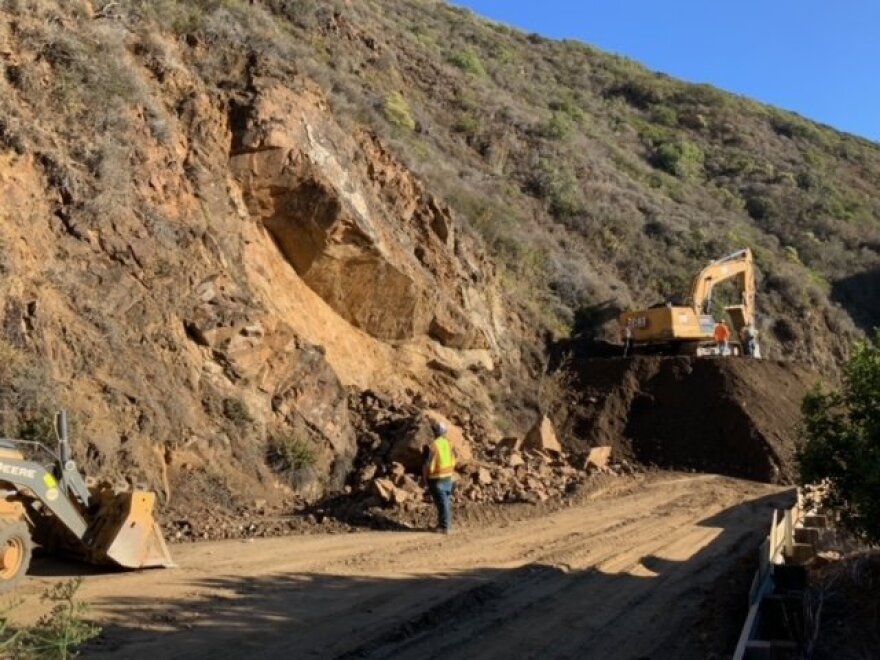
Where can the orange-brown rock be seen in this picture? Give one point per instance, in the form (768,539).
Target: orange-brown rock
(598,458)
(407,449)
(542,437)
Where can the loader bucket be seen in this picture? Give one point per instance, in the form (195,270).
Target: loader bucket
(125,533)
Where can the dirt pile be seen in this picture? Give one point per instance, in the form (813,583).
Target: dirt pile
(732,416)
(491,470)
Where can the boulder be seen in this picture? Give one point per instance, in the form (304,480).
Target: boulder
(399,496)
(367,474)
(510,442)
(410,485)
(407,448)
(515,460)
(484,477)
(384,488)
(598,458)
(542,437)
(463,452)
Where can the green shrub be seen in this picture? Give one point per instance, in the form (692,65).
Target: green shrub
(398,112)
(793,127)
(236,411)
(468,124)
(641,94)
(842,442)
(664,115)
(792,255)
(469,61)
(682,158)
(560,188)
(57,635)
(570,109)
(290,452)
(729,199)
(760,207)
(30,394)
(557,127)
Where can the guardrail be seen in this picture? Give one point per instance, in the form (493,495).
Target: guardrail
(779,584)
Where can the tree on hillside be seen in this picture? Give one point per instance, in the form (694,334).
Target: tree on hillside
(842,441)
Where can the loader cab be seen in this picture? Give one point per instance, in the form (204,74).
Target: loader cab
(9,451)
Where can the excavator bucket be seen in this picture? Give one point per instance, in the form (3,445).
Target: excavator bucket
(125,532)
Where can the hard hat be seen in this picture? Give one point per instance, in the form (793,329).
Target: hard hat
(438,427)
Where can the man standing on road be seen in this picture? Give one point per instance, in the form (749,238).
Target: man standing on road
(750,341)
(438,470)
(722,337)
(627,337)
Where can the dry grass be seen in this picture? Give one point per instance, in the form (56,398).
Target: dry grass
(845,608)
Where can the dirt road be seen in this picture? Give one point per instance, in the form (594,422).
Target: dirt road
(613,577)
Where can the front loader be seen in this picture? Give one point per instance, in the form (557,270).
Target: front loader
(50,504)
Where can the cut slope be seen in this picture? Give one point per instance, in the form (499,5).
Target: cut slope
(732,416)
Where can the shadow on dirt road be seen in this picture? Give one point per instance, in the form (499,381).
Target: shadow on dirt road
(652,598)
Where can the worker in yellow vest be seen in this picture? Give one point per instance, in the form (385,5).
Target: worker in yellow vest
(438,470)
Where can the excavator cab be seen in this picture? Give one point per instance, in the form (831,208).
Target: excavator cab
(52,505)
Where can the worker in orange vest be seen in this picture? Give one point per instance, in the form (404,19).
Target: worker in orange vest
(722,337)
(438,470)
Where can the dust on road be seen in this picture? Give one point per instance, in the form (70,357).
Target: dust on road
(615,577)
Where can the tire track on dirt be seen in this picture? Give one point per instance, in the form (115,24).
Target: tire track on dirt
(551,586)
(490,617)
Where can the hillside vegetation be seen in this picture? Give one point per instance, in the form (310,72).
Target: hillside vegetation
(598,183)
(492,190)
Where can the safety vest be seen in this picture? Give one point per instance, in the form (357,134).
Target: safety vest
(722,333)
(442,461)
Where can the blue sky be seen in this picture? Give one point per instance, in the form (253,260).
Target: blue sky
(820,58)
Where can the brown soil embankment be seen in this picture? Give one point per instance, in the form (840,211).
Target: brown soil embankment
(732,416)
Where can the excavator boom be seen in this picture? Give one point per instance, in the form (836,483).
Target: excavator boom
(739,264)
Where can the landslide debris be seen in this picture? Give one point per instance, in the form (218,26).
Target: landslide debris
(732,416)
(383,490)
(219,219)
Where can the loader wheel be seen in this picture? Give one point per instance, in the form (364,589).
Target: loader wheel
(15,553)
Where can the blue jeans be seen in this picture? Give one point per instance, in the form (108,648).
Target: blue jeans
(441,493)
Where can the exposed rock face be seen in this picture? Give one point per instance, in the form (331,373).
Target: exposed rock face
(322,196)
(203,261)
(243,271)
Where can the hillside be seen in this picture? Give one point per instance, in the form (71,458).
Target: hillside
(223,221)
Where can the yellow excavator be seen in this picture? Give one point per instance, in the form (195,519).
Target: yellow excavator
(689,329)
(48,502)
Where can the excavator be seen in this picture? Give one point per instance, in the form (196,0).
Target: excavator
(48,502)
(668,329)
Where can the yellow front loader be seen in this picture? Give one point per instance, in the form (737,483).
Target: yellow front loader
(689,329)
(49,503)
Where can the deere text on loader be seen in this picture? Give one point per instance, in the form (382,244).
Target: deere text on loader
(50,504)
(689,329)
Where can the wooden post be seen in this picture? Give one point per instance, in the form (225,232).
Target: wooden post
(789,534)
